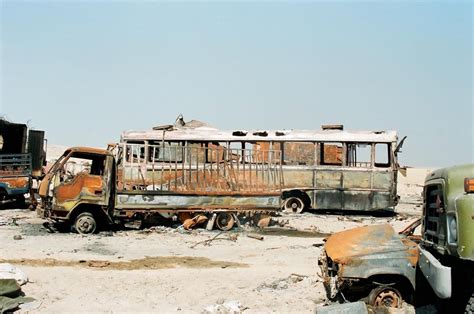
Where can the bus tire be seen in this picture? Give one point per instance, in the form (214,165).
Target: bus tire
(225,221)
(85,223)
(294,204)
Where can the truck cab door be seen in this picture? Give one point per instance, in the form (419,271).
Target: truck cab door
(82,178)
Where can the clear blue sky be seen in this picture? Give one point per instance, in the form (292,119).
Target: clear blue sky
(85,71)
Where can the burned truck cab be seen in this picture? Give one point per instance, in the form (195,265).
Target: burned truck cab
(79,188)
(372,263)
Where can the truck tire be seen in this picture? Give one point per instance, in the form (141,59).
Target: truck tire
(85,223)
(385,296)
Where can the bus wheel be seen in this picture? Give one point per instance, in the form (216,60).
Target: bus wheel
(85,223)
(294,204)
(385,297)
(225,221)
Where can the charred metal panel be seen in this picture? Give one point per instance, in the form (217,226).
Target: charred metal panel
(297,178)
(13,137)
(36,150)
(82,185)
(383,180)
(328,179)
(298,153)
(367,251)
(332,154)
(15,172)
(358,200)
(329,199)
(202,170)
(357,179)
(179,201)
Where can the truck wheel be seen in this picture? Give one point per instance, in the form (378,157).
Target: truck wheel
(85,223)
(224,221)
(294,204)
(385,297)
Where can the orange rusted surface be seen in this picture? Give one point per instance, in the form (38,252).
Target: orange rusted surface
(343,246)
(16,183)
(412,251)
(82,182)
(333,154)
(299,153)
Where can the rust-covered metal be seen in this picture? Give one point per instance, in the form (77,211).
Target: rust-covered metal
(322,167)
(16,182)
(198,170)
(188,182)
(361,256)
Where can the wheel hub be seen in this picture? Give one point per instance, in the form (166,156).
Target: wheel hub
(387,298)
(85,224)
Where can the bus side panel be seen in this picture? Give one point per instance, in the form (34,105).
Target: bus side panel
(357,179)
(383,180)
(329,194)
(198,202)
(295,178)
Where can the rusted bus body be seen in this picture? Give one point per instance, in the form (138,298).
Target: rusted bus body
(321,169)
(371,261)
(199,170)
(195,178)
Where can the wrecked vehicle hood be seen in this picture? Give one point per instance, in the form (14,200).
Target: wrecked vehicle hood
(370,242)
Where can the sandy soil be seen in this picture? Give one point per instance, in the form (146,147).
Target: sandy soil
(168,270)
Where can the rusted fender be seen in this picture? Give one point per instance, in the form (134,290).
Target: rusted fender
(16,183)
(349,246)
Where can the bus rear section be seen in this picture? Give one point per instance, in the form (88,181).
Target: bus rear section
(196,183)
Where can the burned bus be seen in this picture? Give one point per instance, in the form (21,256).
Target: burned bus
(330,169)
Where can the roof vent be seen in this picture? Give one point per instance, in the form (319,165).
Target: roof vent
(260,133)
(239,133)
(339,127)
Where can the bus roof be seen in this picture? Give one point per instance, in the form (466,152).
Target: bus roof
(205,134)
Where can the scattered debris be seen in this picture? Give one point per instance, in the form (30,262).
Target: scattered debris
(281,284)
(255,236)
(8,271)
(230,237)
(225,307)
(347,218)
(347,308)
(264,221)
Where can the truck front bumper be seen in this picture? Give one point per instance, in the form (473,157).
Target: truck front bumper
(438,275)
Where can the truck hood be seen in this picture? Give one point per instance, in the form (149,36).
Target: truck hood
(346,246)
